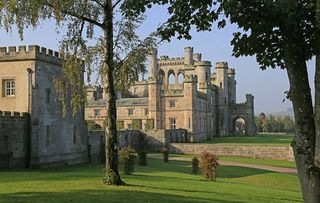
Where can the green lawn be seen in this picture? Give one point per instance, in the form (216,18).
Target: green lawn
(280,163)
(260,139)
(158,182)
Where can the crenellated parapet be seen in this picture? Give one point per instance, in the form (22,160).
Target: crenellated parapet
(32,52)
(13,115)
(190,79)
(166,61)
(231,71)
(222,64)
(202,63)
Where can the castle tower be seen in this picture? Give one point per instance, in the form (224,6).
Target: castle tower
(223,95)
(188,56)
(153,64)
(232,88)
(154,91)
(190,92)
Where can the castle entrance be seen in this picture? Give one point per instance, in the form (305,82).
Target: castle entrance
(239,127)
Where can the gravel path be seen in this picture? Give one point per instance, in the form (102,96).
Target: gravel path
(233,163)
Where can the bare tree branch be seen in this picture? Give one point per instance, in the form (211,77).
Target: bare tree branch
(73,14)
(116,4)
(98,2)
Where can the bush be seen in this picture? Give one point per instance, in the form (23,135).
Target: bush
(127,158)
(149,124)
(136,124)
(165,154)
(120,125)
(142,158)
(195,165)
(209,165)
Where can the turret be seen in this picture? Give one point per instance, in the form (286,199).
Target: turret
(153,63)
(188,56)
(197,56)
(232,88)
(250,100)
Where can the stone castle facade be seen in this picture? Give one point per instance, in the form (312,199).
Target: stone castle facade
(181,93)
(45,137)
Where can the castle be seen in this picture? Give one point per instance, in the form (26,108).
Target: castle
(181,93)
(40,136)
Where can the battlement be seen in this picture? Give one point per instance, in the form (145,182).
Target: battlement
(166,61)
(222,64)
(231,71)
(32,52)
(203,63)
(13,115)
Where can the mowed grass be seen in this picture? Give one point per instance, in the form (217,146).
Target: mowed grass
(260,139)
(157,182)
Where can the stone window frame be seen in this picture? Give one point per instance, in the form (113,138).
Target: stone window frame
(130,112)
(129,126)
(146,111)
(173,123)
(172,104)
(97,112)
(9,91)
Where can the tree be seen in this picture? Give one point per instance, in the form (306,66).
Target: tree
(284,34)
(81,18)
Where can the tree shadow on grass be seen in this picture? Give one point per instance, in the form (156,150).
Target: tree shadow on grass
(102,196)
(238,171)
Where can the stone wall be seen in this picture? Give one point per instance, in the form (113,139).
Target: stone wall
(14,139)
(260,152)
(157,139)
(96,143)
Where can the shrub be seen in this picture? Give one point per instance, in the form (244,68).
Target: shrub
(195,165)
(127,158)
(142,158)
(136,124)
(209,164)
(165,154)
(120,125)
(149,124)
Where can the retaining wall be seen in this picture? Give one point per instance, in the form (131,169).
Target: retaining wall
(256,151)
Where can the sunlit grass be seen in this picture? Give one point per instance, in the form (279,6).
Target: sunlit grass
(157,182)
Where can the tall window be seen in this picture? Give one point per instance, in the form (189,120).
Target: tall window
(74,132)
(130,112)
(146,111)
(172,123)
(9,88)
(48,135)
(48,93)
(172,103)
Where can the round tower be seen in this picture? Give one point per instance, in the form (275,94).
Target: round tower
(188,56)
(153,63)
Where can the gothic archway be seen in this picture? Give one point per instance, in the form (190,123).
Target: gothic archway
(239,126)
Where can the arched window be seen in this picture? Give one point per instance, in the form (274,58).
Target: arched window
(161,75)
(171,77)
(180,77)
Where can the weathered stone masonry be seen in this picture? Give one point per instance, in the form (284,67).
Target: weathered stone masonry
(14,139)
(26,84)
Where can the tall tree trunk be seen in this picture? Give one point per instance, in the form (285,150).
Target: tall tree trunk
(112,173)
(303,143)
(317,89)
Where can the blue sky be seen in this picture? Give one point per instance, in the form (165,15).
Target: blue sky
(267,86)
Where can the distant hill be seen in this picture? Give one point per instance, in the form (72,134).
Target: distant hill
(288,112)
